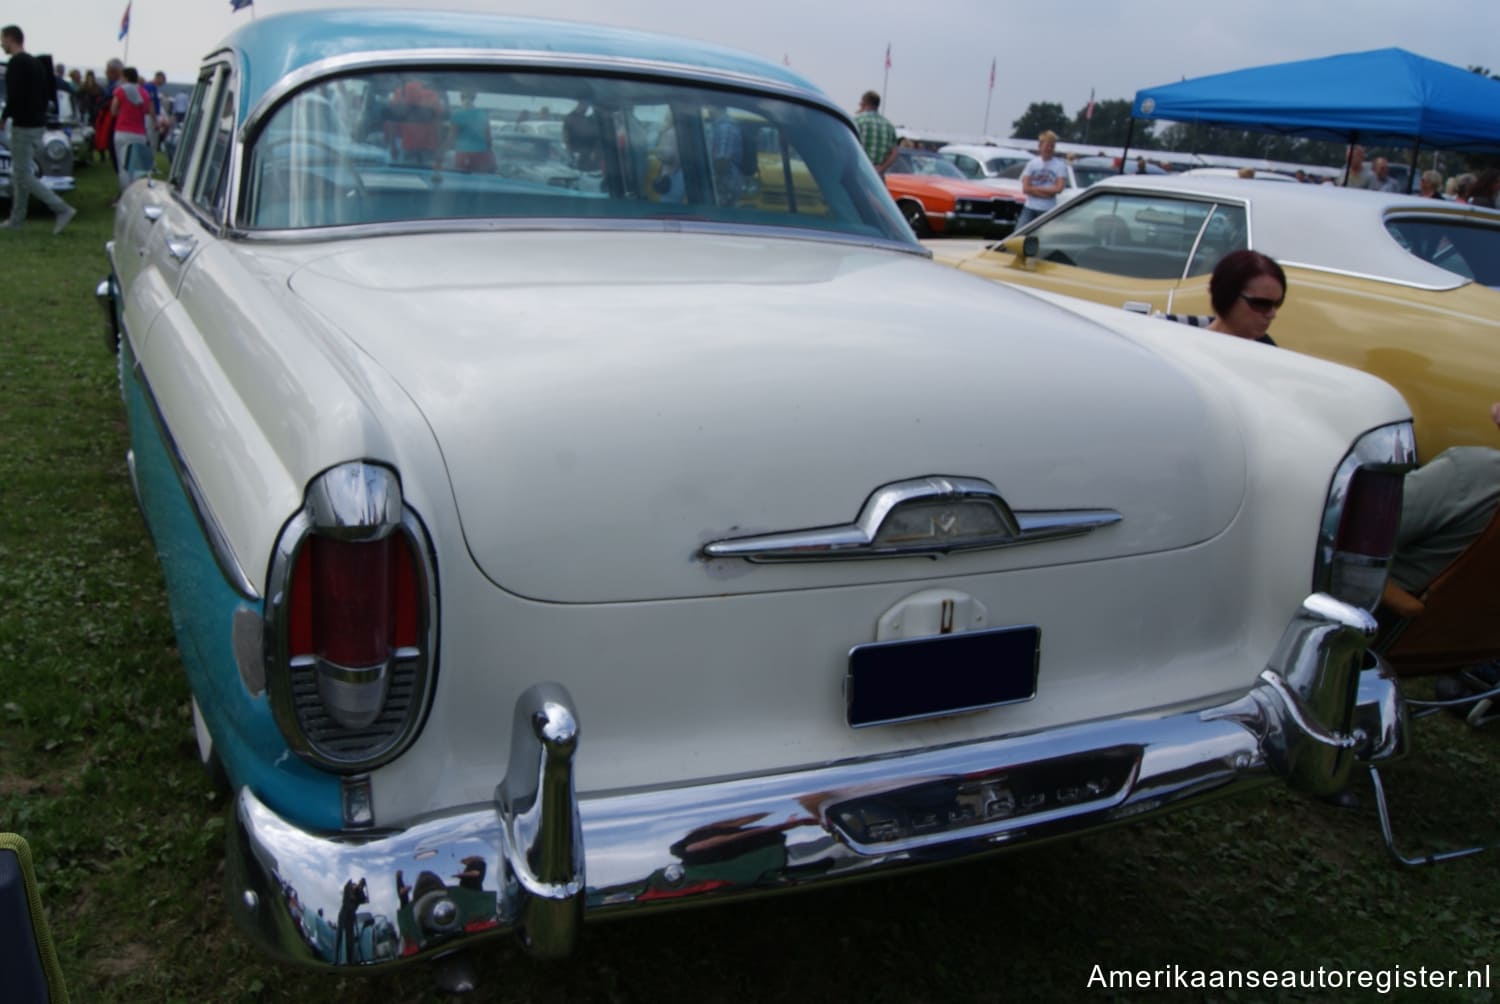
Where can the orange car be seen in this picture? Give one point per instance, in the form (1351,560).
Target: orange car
(936,198)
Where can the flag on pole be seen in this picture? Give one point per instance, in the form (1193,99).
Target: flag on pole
(1088,111)
(235,5)
(887,55)
(992,74)
(125,23)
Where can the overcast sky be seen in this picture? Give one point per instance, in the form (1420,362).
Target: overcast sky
(940,53)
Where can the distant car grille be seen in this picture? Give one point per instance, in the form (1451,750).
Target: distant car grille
(1006,210)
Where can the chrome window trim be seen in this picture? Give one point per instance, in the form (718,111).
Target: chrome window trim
(215,71)
(1458,283)
(568,224)
(213,530)
(858,539)
(360,500)
(524,59)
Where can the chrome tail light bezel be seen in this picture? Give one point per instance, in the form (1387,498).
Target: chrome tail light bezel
(1387,449)
(357,501)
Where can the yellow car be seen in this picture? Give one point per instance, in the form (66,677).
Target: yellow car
(1396,285)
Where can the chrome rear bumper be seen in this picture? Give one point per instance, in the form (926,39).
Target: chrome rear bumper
(538,859)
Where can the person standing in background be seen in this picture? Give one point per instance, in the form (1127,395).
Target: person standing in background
(29,89)
(1044,176)
(876,134)
(135,122)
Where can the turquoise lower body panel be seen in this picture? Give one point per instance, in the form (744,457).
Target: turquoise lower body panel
(204,606)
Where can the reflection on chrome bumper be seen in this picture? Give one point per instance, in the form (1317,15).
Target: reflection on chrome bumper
(538,860)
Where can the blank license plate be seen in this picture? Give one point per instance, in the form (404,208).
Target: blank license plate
(900,681)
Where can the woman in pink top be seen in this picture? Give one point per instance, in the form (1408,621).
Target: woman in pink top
(135,123)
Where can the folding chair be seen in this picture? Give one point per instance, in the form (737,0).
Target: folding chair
(1452,626)
(28,961)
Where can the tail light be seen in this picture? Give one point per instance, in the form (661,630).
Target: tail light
(1361,515)
(351,621)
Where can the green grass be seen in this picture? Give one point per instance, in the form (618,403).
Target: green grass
(98,770)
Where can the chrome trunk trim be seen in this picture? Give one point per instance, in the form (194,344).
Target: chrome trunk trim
(859,539)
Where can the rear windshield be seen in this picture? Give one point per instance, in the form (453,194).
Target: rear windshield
(443,144)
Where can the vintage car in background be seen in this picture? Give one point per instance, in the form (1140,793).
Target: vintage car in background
(937,199)
(55,154)
(1402,287)
(985,163)
(540,555)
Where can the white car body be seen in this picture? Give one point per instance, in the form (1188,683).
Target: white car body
(626,455)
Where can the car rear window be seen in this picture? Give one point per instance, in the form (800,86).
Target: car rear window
(417,145)
(1470,248)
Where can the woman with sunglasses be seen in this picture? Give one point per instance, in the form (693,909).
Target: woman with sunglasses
(1246,289)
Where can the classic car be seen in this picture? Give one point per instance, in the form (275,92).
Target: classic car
(936,198)
(984,163)
(540,555)
(54,155)
(1396,285)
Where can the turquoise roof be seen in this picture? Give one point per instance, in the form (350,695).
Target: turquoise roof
(271,47)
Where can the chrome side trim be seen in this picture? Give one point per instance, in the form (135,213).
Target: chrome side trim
(859,538)
(218,540)
(1430,287)
(311,235)
(717,840)
(526,59)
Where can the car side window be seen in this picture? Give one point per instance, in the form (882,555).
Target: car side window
(213,176)
(1141,236)
(969,166)
(1224,231)
(187,143)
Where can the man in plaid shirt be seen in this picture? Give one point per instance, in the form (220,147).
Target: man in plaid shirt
(876,133)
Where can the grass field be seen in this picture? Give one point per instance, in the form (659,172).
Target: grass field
(98,770)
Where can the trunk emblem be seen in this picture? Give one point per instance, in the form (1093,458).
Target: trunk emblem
(927,517)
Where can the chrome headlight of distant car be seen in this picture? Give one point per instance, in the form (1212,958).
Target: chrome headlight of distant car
(1361,514)
(968,206)
(55,156)
(351,621)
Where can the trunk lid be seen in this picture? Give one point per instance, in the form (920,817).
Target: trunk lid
(606,404)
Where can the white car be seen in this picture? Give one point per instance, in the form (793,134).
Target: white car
(985,164)
(541,555)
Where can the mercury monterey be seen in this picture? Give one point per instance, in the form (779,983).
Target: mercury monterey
(546,552)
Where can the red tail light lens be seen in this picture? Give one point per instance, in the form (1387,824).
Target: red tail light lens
(1372,511)
(353,603)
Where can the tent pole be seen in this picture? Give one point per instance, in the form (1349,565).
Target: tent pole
(1349,157)
(1129,135)
(1411,177)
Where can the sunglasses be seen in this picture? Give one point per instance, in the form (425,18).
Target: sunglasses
(1262,304)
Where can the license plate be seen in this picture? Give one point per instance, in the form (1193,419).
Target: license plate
(901,681)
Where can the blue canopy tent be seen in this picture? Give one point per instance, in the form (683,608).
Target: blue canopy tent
(1388,96)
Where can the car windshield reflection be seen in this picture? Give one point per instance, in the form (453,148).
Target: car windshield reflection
(421,146)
